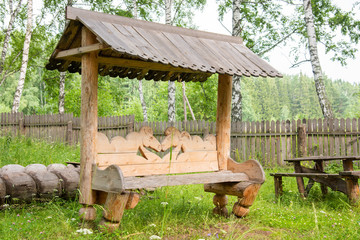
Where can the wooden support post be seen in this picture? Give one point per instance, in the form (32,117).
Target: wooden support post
(88,122)
(113,210)
(69,133)
(278,186)
(223,120)
(220,201)
(300,180)
(352,185)
(319,165)
(301,141)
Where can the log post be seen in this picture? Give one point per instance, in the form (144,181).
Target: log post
(88,125)
(352,186)
(220,201)
(301,141)
(223,120)
(113,210)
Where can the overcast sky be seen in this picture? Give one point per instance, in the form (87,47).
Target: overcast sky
(208,21)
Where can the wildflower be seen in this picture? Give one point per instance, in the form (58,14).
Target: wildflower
(28,221)
(13,223)
(73,219)
(152,225)
(153,237)
(5,205)
(41,232)
(322,211)
(209,234)
(48,217)
(164,203)
(18,215)
(84,231)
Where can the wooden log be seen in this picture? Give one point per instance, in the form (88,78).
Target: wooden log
(2,191)
(89,124)
(352,185)
(240,211)
(47,183)
(300,180)
(301,141)
(278,186)
(247,191)
(220,201)
(19,185)
(87,213)
(223,120)
(115,205)
(70,178)
(133,200)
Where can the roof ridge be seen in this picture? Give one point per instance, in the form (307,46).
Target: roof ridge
(73,14)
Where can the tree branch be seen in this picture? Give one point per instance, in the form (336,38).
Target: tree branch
(298,63)
(276,44)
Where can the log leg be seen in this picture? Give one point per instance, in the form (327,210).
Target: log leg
(352,186)
(300,180)
(319,165)
(87,216)
(278,186)
(113,211)
(220,201)
(241,207)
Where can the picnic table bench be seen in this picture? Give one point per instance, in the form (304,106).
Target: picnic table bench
(345,181)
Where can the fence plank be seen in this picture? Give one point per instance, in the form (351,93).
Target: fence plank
(348,137)
(342,137)
(355,137)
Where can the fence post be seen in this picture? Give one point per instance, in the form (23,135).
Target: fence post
(69,133)
(301,140)
(21,127)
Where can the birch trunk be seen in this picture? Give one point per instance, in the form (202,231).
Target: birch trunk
(236,98)
(62,82)
(171,87)
(315,62)
(141,92)
(62,93)
(13,14)
(25,58)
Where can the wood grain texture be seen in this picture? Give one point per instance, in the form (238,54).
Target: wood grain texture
(223,120)
(173,180)
(89,123)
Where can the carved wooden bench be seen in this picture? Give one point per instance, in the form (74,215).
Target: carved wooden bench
(125,164)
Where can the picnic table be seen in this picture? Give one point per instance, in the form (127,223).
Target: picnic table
(345,181)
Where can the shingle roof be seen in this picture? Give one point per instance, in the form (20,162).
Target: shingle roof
(129,47)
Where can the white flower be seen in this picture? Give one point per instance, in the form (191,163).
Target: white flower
(73,219)
(164,203)
(48,217)
(322,211)
(154,237)
(5,205)
(152,225)
(84,231)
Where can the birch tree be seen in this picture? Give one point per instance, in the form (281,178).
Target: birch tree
(315,61)
(236,110)
(171,86)
(13,13)
(141,92)
(25,58)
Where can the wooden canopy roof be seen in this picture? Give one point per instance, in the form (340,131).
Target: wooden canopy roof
(140,49)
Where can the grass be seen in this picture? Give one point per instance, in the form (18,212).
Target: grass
(181,212)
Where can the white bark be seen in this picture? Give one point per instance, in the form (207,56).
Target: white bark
(25,58)
(171,87)
(236,98)
(184,101)
(62,93)
(141,92)
(13,14)
(315,62)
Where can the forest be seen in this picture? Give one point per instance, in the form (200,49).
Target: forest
(290,97)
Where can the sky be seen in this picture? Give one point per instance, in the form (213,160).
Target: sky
(207,20)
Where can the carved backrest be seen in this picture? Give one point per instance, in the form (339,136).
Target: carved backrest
(132,154)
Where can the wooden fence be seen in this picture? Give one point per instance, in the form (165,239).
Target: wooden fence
(60,128)
(270,142)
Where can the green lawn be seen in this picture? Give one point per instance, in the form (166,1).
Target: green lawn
(187,214)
